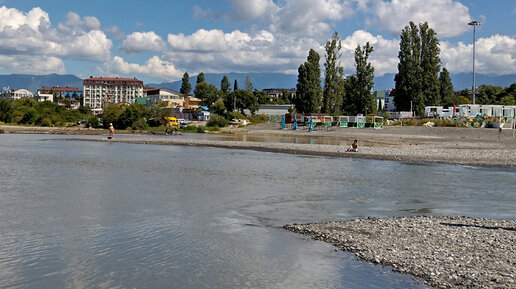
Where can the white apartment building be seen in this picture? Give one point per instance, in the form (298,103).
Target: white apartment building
(7,93)
(99,91)
(173,98)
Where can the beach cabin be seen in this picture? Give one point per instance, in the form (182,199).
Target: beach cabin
(343,121)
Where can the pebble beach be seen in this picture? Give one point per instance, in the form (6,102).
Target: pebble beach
(447,252)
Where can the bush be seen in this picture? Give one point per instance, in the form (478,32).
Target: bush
(262,118)
(218,121)
(139,124)
(235,114)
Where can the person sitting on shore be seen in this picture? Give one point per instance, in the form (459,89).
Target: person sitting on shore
(353,147)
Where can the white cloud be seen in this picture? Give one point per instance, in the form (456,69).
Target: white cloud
(23,36)
(447,17)
(493,55)
(252,9)
(141,42)
(384,57)
(154,67)
(32,64)
(216,51)
(115,32)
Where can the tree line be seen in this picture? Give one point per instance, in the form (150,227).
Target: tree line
(420,81)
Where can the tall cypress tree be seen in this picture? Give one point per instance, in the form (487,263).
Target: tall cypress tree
(308,88)
(333,80)
(185,84)
(446,88)
(417,81)
(235,85)
(361,84)
(224,85)
(200,78)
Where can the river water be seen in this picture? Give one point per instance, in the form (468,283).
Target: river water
(100,215)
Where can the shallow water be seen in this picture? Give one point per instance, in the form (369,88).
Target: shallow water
(100,215)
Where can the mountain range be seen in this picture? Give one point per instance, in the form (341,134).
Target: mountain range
(260,81)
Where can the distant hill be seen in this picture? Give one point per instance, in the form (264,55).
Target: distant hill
(260,81)
(35,82)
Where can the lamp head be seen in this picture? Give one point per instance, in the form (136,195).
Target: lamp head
(474,23)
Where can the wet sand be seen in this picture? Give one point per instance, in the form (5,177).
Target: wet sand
(461,146)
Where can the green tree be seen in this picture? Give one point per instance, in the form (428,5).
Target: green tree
(333,79)
(243,99)
(111,114)
(308,88)
(488,94)
(361,84)
(218,107)
(225,85)
(185,84)
(430,64)
(446,88)
(417,82)
(208,93)
(200,78)
(235,85)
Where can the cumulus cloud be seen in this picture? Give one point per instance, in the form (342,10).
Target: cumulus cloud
(384,57)
(31,64)
(493,55)
(447,17)
(154,67)
(142,41)
(29,36)
(215,51)
(115,32)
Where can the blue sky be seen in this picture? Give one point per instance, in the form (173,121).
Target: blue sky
(158,41)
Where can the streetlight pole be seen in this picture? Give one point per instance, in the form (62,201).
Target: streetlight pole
(474,23)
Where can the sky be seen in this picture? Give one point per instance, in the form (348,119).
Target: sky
(158,40)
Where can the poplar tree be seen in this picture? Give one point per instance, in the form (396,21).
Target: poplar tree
(185,84)
(446,88)
(430,64)
(417,82)
(224,85)
(248,84)
(333,80)
(361,84)
(308,88)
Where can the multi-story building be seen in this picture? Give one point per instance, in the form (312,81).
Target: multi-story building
(99,91)
(8,93)
(275,93)
(61,91)
(173,98)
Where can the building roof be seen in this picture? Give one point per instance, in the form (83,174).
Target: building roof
(60,88)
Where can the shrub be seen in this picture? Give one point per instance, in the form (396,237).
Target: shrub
(235,114)
(218,121)
(262,118)
(139,124)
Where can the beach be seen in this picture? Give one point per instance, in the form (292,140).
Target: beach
(447,252)
(460,146)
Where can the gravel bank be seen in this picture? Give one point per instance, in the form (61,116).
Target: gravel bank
(447,252)
(461,146)
(476,156)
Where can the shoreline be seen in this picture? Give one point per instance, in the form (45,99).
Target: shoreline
(455,146)
(447,252)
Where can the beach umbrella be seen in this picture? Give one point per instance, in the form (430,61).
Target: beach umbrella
(294,126)
(311,127)
(282,121)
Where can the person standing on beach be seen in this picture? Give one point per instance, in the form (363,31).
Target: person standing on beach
(111,130)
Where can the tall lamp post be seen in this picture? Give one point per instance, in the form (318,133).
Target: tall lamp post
(474,23)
